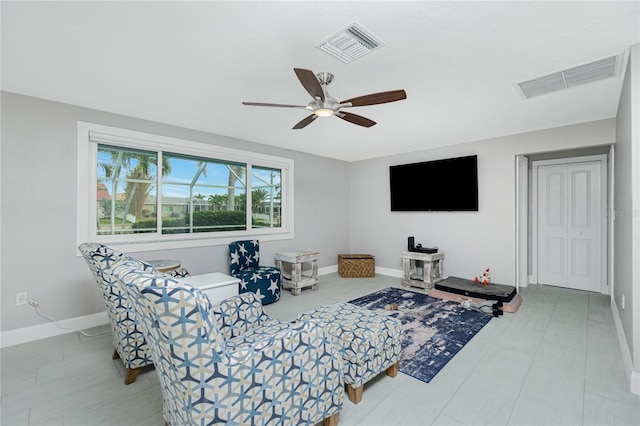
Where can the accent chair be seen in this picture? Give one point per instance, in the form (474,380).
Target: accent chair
(229,363)
(244,264)
(128,341)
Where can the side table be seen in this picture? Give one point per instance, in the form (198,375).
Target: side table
(216,285)
(164,265)
(292,276)
(422,269)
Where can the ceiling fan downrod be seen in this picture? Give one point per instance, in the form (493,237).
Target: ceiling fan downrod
(330,106)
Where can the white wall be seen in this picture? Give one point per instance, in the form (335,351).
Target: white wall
(472,241)
(38,222)
(627,217)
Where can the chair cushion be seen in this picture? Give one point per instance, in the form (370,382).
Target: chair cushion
(237,315)
(256,334)
(244,255)
(264,281)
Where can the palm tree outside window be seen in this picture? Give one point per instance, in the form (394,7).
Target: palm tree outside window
(193,194)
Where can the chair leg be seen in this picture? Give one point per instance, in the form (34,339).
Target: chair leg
(115,355)
(393,370)
(355,394)
(331,420)
(132,375)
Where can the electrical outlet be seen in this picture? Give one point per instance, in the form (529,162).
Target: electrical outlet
(22,298)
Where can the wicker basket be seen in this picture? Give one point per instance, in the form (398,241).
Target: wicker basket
(356,265)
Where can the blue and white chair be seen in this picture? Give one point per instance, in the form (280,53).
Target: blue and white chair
(128,341)
(244,264)
(229,363)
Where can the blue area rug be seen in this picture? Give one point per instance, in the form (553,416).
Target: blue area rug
(433,330)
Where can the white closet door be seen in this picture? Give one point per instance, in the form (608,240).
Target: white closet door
(569,225)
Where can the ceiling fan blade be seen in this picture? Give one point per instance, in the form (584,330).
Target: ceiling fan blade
(273,105)
(310,82)
(355,119)
(305,121)
(377,98)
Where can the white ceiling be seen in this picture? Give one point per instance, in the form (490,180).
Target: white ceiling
(191,64)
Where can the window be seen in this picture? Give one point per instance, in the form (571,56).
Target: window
(147,191)
(265,197)
(125,180)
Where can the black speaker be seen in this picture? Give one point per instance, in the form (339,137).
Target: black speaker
(411,243)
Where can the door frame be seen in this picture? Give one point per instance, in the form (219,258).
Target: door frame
(522,221)
(604,198)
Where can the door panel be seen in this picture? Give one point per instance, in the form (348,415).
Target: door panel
(569,225)
(555,255)
(580,203)
(584,226)
(552,226)
(555,200)
(580,250)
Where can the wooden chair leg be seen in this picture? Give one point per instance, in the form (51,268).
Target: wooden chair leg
(115,355)
(132,375)
(331,420)
(393,370)
(355,394)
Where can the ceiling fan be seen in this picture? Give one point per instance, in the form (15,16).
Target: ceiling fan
(325,105)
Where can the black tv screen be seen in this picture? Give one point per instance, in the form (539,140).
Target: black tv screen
(441,185)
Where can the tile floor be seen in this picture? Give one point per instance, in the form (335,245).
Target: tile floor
(555,362)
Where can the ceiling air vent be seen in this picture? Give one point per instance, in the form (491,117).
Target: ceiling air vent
(350,43)
(571,77)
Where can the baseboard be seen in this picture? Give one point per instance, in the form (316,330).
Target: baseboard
(42,331)
(328,270)
(396,273)
(635,382)
(634,376)
(382,271)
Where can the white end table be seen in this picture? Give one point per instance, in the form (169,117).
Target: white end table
(292,274)
(216,285)
(422,269)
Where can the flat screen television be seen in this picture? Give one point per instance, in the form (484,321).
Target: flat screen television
(441,185)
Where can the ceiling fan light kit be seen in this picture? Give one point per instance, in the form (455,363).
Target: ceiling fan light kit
(324,112)
(325,105)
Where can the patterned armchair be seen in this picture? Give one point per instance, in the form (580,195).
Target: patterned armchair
(244,263)
(179,273)
(128,341)
(230,363)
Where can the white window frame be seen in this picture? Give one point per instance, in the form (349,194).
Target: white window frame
(90,134)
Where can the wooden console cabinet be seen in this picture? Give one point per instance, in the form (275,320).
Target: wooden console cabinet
(422,269)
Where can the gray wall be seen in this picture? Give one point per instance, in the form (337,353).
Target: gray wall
(626,224)
(472,241)
(38,178)
(38,187)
